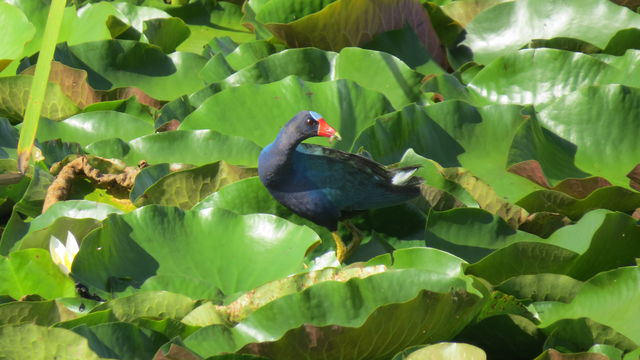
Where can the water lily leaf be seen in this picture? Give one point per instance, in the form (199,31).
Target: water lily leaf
(613,198)
(634,176)
(538,76)
(37,14)
(43,313)
(346,23)
(59,228)
(121,63)
(405,44)
(612,156)
(452,194)
(525,339)
(186,188)
(196,147)
(575,250)
(542,156)
(166,33)
(226,235)
(599,299)
(76,209)
(121,340)
(501,29)
(542,287)
(43,343)
(18,31)
(622,41)
(176,352)
(628,63)
(486,197)
(563,43)
(14,94)
(443,351)
(249,53)
(282,100)
(337,325)
(249,302)
(91,23)
(149,305)
(447,86)
(464,11)
(147,176)
(93,126)
(532,258)
(581,334)
(8,139)
(31,271)
(452,231)
(31,202)
(355,64)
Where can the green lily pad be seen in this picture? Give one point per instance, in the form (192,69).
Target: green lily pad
(501,29)
(612,156)
(443,351)
(542,287)
(153,249)
(59,228)
(186,188)
(31,271)
(581,334)
(43,313)
(464,11)
(122,63)
(538,76)
(552,354)
(542,156)
(355,64)
(93,126)
(196,147)
(19,31)
(338,24)
(471,233)
(121,340)
(14,94)
(490,334)
(613,198)
(260,110)
(43,343)
(348,317)
(600,241)
(166,33)
(600,299)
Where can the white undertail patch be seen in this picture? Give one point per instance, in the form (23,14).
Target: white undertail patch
(402,176)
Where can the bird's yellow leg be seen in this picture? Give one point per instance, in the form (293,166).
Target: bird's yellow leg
(341,250)
(356,238)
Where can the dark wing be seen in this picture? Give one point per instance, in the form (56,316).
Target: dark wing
(354,182)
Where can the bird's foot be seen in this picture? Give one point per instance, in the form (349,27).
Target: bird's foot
(344,252)
(341,249)
(356,238)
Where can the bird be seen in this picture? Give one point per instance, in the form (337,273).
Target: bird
(326,185)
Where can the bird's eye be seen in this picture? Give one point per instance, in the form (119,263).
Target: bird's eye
(310,121)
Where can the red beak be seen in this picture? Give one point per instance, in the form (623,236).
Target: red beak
(325,130)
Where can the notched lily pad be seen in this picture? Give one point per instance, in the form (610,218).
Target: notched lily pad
(186,188)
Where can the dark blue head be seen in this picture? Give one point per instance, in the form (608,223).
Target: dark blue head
(308,124)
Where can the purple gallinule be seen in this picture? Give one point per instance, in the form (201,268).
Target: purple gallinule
(327,185)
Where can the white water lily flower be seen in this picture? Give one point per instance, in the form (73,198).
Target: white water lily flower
(63,255)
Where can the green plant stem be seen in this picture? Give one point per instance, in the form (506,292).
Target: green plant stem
(39,84)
